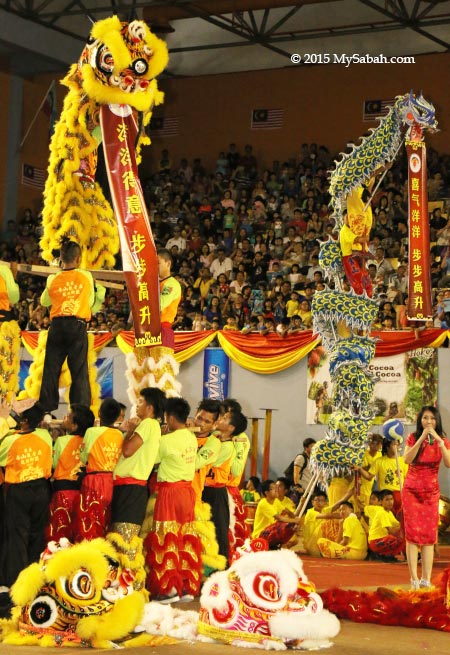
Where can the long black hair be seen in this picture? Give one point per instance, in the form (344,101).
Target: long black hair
(437,416)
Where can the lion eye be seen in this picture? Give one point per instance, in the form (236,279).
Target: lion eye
(140,66)
(80,585)
(104,60)
(43,612)
(266,586)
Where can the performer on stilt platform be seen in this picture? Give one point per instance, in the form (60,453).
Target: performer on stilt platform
(73,297)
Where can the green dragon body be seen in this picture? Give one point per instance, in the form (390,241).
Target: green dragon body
(344,319)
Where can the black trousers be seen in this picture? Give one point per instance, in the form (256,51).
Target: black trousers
(67,337)
(26,514)
(217,498)
(129,503)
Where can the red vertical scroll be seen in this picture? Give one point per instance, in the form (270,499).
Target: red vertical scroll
(140,262)
(420,306)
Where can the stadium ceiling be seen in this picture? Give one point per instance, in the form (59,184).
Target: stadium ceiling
(218,36)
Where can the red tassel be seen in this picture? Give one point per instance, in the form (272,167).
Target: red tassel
(413,609)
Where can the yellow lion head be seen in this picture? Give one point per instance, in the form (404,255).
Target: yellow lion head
(75,594)
(119,63)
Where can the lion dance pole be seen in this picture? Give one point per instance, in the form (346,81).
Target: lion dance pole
(344,319)
(111,94)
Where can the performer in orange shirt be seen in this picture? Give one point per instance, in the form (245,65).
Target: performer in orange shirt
(73,297)
(27,458)
(100,452)
(66,474)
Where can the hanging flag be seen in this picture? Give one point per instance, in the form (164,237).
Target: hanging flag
(420,305)
(139,258)
(33,176)
(267,119)
(164,126)
(49,107)
(374,109)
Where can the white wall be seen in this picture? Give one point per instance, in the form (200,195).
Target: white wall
(284,392)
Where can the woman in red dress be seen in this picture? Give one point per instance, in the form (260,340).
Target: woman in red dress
(425,448)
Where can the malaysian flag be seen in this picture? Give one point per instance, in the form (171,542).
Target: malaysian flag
(374,109)
(267,119)
(163,126)
(33,176)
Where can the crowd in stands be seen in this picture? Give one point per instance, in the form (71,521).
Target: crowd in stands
(245,243)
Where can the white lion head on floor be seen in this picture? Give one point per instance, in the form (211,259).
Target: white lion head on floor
(265,600)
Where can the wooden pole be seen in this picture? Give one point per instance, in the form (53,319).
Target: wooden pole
(267,437)
(104,277)
(254,447)
(52,83)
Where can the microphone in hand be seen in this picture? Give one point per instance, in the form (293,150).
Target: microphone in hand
(430,439)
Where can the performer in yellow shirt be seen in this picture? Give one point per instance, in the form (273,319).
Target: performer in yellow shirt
(390,469)
(282,486)
(215,492)
(352,540)
(169,297)
(173,547)
(130,493)
(239,530)
(371,455)
(385,537)
(268,510)
(314,522)
(208,448)
(10,340)
(354,239)
(273,522)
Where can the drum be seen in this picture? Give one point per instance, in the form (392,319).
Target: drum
(250,511)
(444,513)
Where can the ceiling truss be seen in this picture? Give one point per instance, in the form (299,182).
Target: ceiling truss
(252,22)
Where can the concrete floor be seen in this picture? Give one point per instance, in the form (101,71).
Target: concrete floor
(354,639)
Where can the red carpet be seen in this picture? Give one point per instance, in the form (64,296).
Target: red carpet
(327,573)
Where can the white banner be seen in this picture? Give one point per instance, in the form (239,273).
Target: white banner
(406,383)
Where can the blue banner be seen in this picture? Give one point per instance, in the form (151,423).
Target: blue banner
(104,375)
(216,372)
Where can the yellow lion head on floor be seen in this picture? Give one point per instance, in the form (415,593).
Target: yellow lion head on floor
(75,595)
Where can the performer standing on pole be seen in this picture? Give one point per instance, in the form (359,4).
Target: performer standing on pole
(73,297)
(169,297)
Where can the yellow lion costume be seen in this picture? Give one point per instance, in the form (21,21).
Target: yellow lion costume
(76,596)
(117,66)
